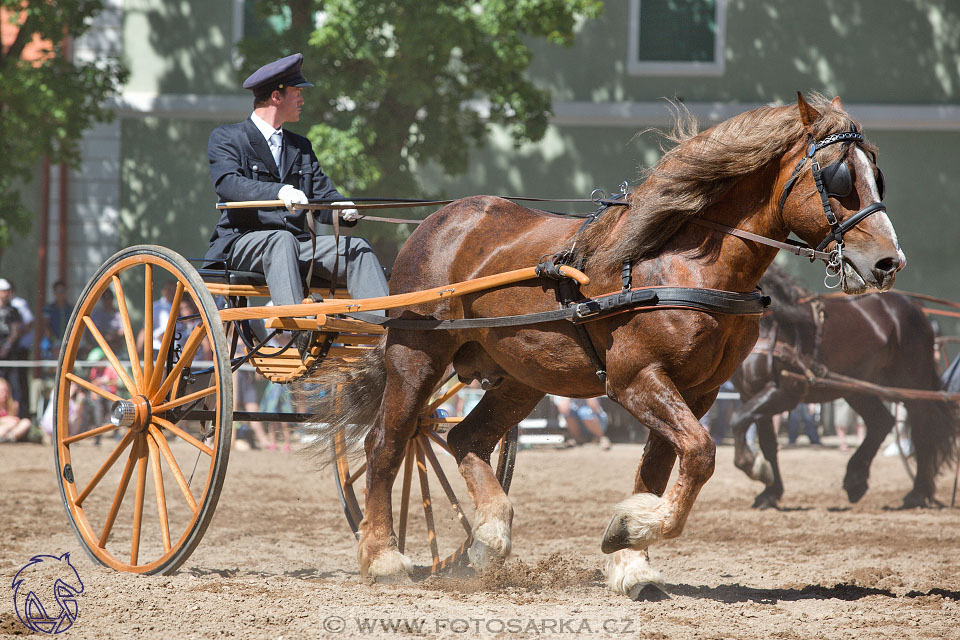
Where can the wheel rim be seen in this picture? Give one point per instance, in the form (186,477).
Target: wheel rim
(432,519)
(176,466)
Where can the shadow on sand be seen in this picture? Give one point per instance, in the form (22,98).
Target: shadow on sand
(730,593)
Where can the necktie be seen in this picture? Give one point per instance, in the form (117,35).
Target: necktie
(275,146)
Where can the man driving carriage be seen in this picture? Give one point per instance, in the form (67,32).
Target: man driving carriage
(258,160)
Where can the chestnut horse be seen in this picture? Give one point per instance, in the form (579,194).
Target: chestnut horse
(883,339)
(664,366)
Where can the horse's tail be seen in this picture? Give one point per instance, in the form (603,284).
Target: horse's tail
(935,430)
(345,402)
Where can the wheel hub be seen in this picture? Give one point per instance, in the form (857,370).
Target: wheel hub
(133,413)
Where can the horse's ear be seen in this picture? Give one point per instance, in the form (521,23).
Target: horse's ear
(836,104)
(808,115)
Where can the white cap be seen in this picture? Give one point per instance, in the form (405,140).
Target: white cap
(5,284)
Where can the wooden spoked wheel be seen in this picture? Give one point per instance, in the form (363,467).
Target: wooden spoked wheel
(120,412)
(434,535)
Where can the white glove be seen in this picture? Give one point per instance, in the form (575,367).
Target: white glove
(291,196)
(348,215)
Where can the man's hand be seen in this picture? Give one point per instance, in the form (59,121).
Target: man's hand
(348,215)
(291,196)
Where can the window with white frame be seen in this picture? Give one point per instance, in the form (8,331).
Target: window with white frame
(676,37)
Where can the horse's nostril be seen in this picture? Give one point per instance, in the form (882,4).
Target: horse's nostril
(887,265)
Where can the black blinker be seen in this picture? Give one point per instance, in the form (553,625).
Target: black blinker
(837,179)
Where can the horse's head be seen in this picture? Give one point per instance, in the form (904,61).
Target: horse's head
(832,199)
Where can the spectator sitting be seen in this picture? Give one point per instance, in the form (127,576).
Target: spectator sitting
(11,325)
(586,421)
(24,347)
(13,428)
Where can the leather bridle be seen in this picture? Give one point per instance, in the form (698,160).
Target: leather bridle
(833,180)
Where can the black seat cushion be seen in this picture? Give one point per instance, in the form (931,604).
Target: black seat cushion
(253,278)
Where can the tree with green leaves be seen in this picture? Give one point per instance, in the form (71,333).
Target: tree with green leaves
(400,83)
(46,99)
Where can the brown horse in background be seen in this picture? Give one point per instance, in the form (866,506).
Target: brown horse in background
(664,366)
(883,339)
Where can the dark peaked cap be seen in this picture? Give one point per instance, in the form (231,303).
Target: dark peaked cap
(278,74)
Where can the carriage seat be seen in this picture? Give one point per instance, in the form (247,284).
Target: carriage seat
(249,278)
(234,282)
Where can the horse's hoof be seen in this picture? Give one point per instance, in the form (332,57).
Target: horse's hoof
(629,572)
(647,592)
(636,523)
(390,567)
(762,471)
(766,501)
(393,578)
(855,489)
(916,500)
(491,545)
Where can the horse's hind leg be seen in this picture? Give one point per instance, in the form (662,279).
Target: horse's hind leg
(933,432)
(472,442)
(411,377)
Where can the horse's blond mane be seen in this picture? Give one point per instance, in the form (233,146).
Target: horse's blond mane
(696,173)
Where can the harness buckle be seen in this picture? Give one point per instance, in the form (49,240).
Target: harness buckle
(587,309)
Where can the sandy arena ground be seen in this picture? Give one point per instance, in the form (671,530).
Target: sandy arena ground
(279,559)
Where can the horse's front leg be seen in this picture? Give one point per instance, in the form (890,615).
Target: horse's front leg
(629,571)
(756,408)
(472,442)
(646,517)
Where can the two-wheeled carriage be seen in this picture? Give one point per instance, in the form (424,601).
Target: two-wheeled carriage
(167,399)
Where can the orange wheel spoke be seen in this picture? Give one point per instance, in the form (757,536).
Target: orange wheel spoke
(359,472)
(89,386)
(433,435)
(167,339)
(442,477)
(405,496)
(174,467)
(196,395)
(427,503)
(148,323)
(111,356)
(102,471)
(128,336)
(166,424)
(189,350)
(141,447)
(158,487)
(89,434)
(452,391)
(118,498)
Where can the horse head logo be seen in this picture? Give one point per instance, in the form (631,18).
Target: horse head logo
(45,594)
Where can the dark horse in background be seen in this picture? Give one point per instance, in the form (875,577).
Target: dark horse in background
(664,366)
(883,339)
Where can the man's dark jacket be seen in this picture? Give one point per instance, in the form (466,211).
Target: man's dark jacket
(242,168)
